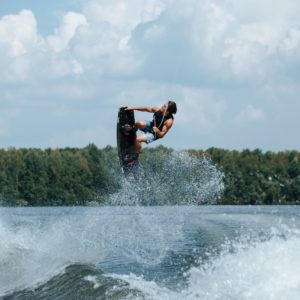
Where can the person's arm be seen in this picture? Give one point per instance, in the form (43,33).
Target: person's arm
(143,108)
(161,133)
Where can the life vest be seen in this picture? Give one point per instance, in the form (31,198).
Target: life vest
(159,120)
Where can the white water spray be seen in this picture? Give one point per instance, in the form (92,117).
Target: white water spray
(175,178)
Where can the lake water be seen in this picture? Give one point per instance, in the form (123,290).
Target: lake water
(169,252)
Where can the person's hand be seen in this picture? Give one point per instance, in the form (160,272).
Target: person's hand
(155,129)
(128,108)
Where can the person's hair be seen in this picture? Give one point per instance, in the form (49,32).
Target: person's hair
(172,108)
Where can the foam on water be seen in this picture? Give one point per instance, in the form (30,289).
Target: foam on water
(248,268)
(33,252)
(251,266)
(175,178)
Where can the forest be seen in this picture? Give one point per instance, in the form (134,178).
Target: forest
(87,176)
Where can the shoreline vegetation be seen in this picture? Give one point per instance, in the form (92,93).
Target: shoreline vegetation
(87,176)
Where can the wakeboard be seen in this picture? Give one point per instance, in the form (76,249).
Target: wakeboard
(126,136)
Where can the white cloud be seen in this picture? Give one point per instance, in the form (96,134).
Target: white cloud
(199,110)
(27,57)
(116,21)
(18,34)
(290,46)
(19,43)
(206,55)
(209,29)
(123,15)
(137,38)
(105,48)
(251,47)
(155,32)
(63,35)
(133,38)
(258,42)
(249,114)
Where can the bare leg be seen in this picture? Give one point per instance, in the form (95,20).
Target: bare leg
(140,124)
(138,142)
(141,138)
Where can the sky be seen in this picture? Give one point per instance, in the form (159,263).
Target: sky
(232,67)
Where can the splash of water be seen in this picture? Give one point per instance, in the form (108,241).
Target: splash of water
(38,247)
(36,250)
(175,178)
(248,268)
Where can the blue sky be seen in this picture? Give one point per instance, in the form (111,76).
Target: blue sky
(232,67)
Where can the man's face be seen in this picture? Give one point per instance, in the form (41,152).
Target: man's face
(164,108)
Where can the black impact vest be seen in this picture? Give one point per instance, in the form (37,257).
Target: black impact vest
(159,120)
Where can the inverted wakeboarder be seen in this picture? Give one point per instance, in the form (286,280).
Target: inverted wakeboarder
(163,120)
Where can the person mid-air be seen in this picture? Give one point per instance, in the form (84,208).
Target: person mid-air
(157,128)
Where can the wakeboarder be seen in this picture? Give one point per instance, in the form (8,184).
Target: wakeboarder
(163,120)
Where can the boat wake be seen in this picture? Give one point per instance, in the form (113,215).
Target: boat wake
(243,269)
(147,253)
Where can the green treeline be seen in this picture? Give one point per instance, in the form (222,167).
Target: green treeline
(86,176)
(67,176)
(256,177)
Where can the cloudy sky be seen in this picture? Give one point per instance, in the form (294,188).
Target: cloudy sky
(232,66)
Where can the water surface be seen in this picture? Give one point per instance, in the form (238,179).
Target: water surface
(169,252)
